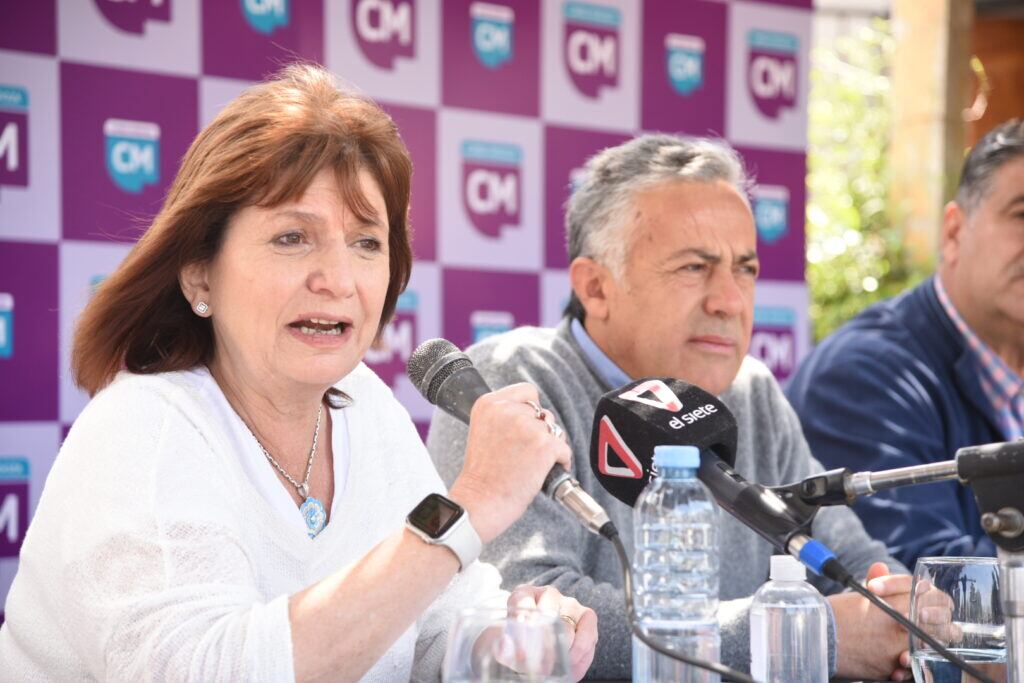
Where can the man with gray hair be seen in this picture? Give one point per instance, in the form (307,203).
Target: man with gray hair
(912,379)
(663,257)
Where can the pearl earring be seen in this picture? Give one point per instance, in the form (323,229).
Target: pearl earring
(202,307)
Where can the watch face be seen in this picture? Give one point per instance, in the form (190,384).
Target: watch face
(435,515)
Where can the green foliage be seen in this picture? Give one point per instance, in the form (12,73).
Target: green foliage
(855,252)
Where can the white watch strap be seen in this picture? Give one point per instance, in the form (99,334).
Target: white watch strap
(463,540)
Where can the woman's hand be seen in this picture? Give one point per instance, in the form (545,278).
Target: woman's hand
(509,452)
(580,621)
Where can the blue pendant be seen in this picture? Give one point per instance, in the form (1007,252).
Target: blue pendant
(314,514)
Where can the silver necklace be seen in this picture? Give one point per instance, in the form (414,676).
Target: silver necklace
(313,511)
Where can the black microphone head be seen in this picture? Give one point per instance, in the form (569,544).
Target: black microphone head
(434,361)
(655,411)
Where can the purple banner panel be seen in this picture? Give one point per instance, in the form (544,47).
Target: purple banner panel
(492,178)
(491,174)
(29,358)
(490,189)
(142,35)
(84,264)
(385,30)
(398,342)
(27,451)
(767,75)
(773,341)
(422,427)
(782,329)
(13,136)
(554,296)
(30,26)
(491,56)
(418,128)
(772,65)
(131,17)
(806,4)
(29,147)
(593,50)
(123,135)
(565,151)
(684,66)
(592,69)
(388,49)
(778,200)
(250,39)
(417,318)
(14,481)
(479,304)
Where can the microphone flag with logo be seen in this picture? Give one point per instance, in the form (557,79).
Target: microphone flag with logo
(631,420)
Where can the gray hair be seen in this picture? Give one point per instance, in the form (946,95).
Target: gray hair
(598,213)
(1003,143)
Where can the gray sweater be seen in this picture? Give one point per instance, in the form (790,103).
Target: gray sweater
(547,547)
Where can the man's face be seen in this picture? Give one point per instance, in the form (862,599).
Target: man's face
(983,257)
(683,305)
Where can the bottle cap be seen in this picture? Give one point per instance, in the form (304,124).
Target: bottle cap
(677,456)
(787,568)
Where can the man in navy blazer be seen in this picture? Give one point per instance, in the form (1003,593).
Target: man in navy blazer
(912,379)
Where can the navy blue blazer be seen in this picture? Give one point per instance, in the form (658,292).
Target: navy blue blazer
(897,386)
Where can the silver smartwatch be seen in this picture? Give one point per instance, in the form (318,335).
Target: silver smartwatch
(441,521)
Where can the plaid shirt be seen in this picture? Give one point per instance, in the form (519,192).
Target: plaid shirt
(1003,387)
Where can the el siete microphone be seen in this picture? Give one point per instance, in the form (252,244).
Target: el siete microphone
(631,420)
(447,379)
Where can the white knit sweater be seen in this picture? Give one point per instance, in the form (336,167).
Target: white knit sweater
(152,556)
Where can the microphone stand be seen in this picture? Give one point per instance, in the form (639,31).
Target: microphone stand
(995,474)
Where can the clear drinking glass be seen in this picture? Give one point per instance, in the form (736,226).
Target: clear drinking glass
(495,645)
(956,601)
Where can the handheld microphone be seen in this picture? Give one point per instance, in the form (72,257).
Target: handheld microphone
(631,420)
(447,379)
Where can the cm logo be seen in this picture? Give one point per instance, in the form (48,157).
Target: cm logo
(384,30)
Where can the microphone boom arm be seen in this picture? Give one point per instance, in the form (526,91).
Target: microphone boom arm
(843,487)
(995,473)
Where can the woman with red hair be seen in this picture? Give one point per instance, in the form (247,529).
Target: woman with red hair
(232,502)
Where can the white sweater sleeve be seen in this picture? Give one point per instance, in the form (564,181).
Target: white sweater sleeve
(139,552)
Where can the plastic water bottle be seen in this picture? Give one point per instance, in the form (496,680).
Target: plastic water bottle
(788,627)
(675,569)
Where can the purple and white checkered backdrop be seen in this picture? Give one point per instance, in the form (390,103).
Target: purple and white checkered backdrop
(499,102)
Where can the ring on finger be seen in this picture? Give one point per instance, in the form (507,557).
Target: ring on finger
(538,412)
(547,417)
(569,621)
(549,420)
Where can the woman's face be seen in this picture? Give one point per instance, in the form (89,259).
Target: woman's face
(296,291)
